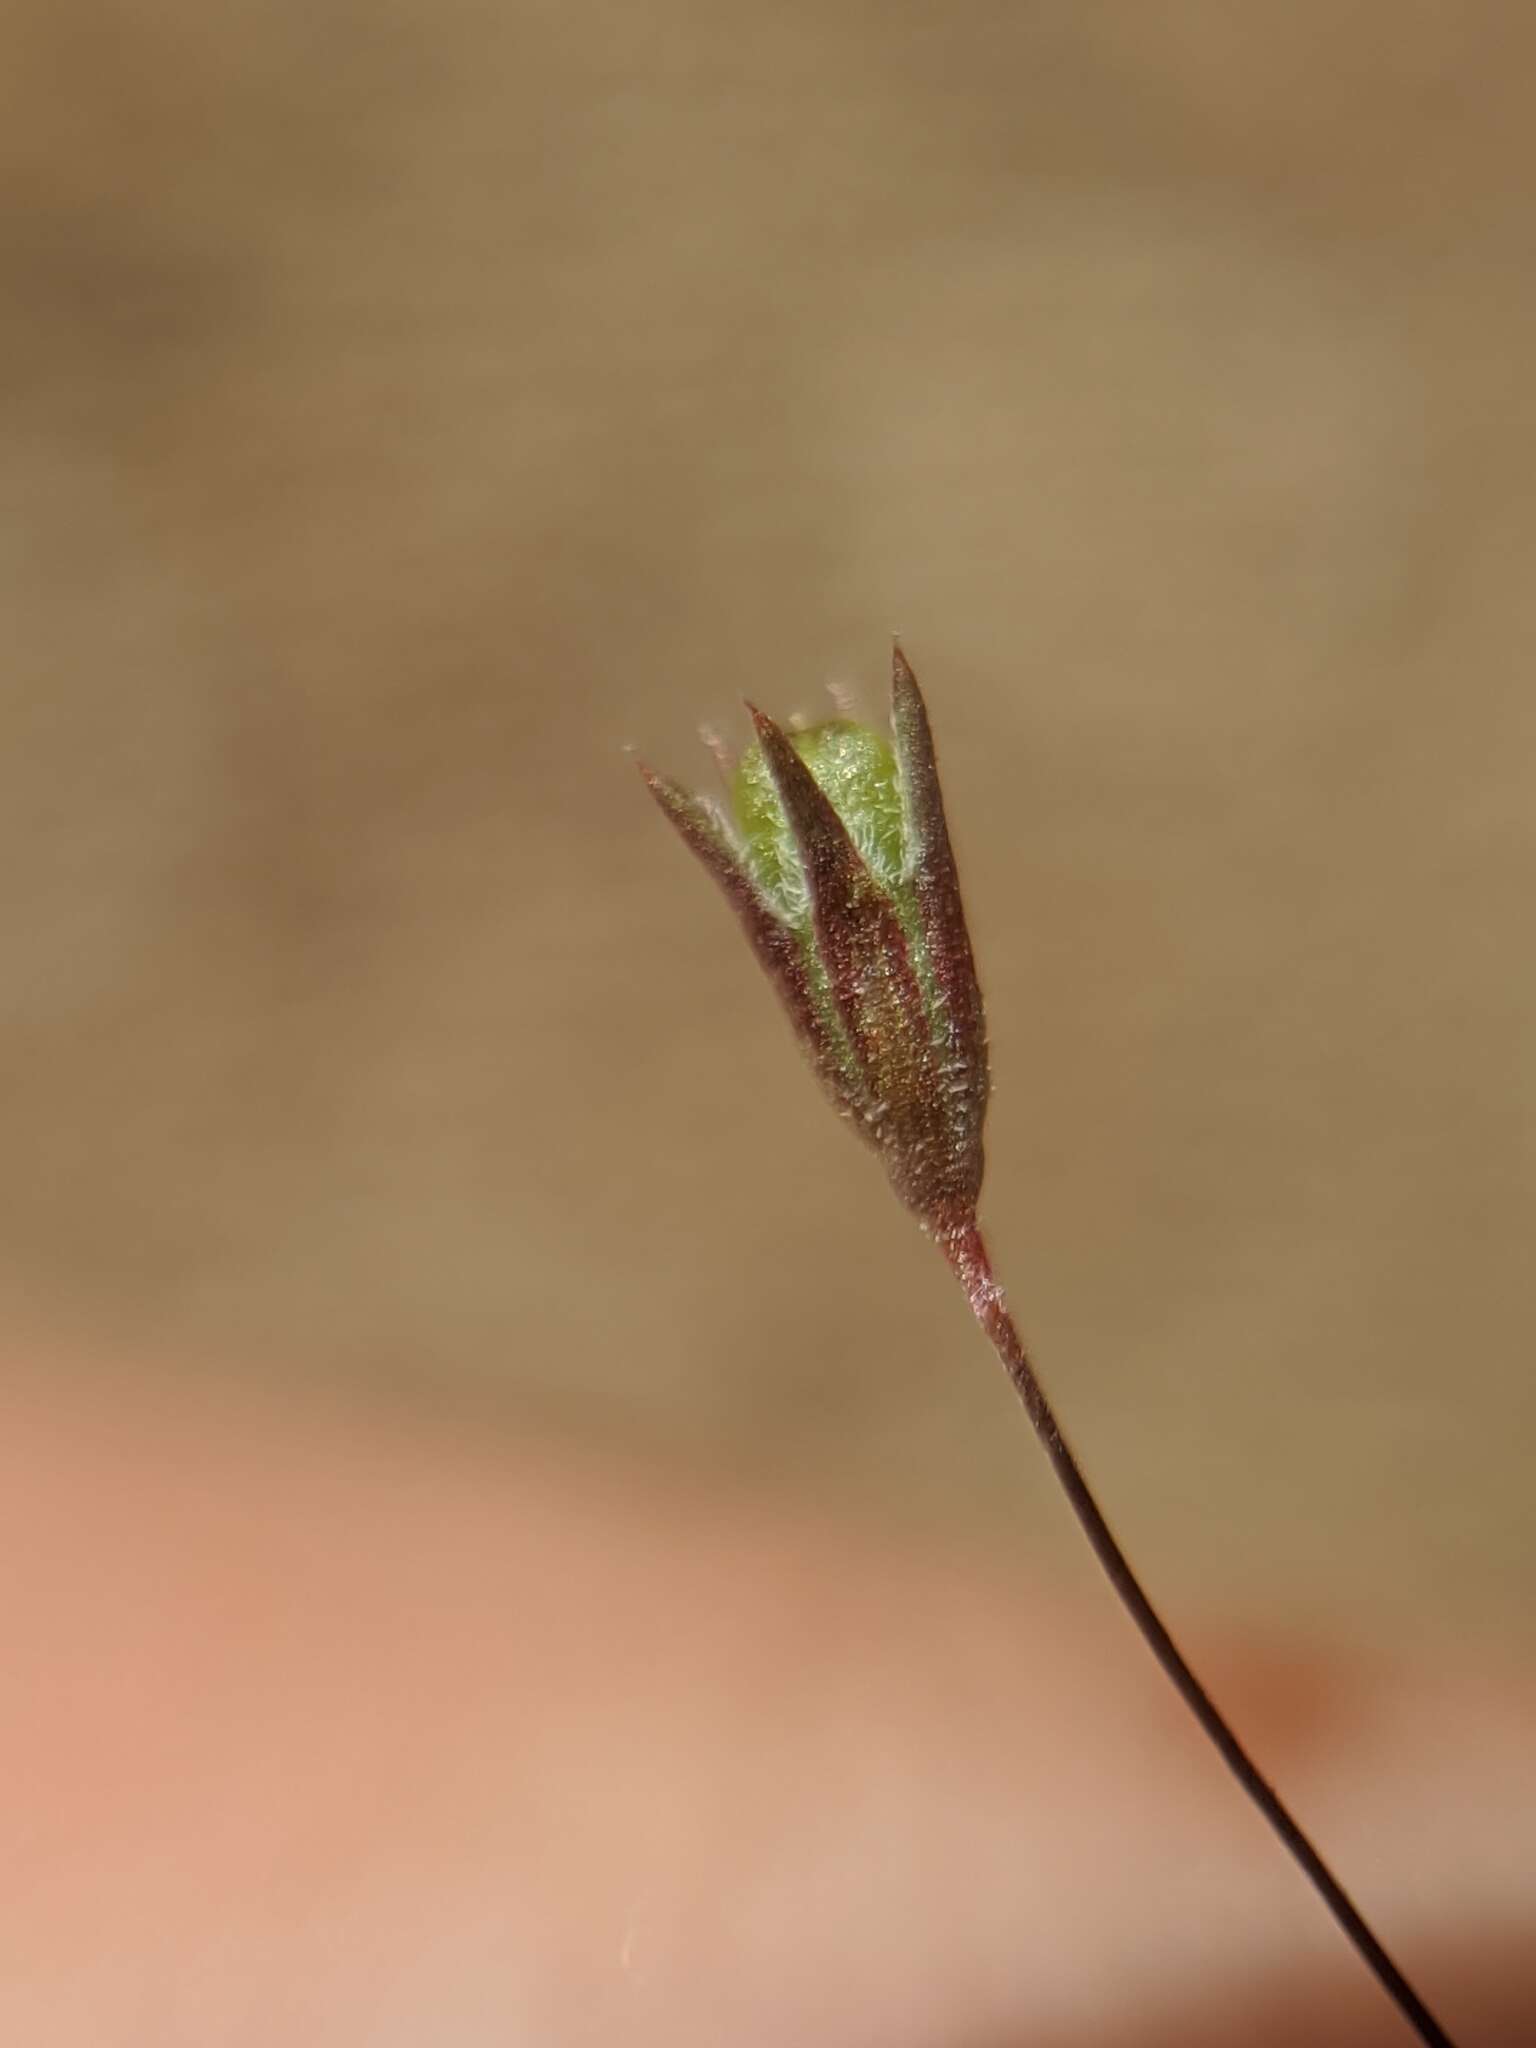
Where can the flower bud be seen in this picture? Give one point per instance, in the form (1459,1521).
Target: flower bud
(836,859)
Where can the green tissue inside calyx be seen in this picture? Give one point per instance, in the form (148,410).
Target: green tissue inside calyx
(857,770)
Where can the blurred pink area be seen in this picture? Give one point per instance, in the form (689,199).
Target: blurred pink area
(331,1731)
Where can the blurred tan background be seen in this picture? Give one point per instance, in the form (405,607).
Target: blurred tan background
(407,407)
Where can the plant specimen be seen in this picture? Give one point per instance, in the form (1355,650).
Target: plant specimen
(835,857)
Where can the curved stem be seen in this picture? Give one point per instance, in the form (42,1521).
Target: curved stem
(967,1254)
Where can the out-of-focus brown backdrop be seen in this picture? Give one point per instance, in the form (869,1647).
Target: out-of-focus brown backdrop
(405,407)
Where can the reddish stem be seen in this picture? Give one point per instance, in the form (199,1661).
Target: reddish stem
(966,1252)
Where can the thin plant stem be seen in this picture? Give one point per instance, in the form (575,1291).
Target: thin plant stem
(966,1252)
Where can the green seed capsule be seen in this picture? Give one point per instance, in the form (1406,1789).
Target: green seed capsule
(857,770)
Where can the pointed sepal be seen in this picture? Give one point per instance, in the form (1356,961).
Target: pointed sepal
(838,864)
(780,950)
(961,1017)
(862,949)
